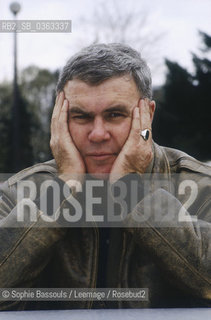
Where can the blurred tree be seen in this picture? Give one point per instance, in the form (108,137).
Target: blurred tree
(184,116)
(5,126)
(36,94)
(38,87)
(123,22)
(6,154)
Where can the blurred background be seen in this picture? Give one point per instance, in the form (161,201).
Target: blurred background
(174,37)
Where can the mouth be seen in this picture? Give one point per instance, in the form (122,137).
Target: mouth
(101,156)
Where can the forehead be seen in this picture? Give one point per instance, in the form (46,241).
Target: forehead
(118,90)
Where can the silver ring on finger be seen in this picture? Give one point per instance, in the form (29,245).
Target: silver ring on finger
(145,134)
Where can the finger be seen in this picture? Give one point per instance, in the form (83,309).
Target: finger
(134,135)
(57,97)
(56,112)
(54,115)
(63,121)
(136,120)
(58,105)
(145,118)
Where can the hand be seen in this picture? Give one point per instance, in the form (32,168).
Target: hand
(66,155)
(136,153)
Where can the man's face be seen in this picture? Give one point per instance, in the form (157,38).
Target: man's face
(100,119)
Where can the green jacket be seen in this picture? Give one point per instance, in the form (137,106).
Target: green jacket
(171,258)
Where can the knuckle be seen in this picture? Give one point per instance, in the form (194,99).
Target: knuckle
(136,133)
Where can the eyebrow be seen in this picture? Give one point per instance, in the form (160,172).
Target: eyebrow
(117,108)
(81,111)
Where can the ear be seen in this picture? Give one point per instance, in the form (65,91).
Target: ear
(152,106)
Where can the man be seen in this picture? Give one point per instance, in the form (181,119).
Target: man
(101,126)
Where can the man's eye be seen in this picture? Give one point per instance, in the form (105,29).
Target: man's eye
(82,116)
(115,115)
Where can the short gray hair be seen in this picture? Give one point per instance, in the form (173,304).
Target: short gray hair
(99,62)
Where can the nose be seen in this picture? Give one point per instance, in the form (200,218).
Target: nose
(99,132)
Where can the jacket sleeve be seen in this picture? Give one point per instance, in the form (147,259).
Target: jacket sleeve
(25,248)
(180,243)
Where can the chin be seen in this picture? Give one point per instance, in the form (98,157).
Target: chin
(99,170)
(100,173)
(100,176)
